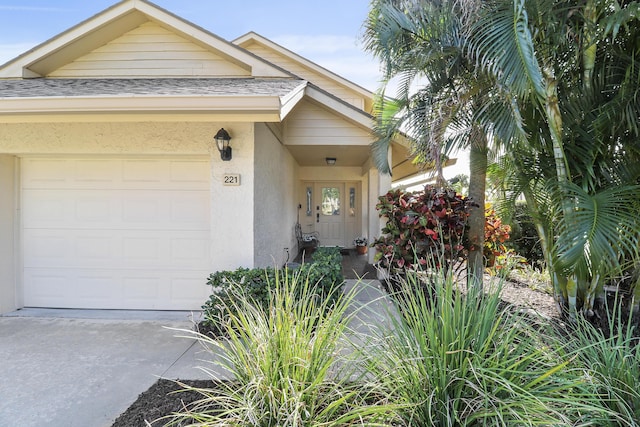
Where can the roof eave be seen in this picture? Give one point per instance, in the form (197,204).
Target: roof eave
(248,108)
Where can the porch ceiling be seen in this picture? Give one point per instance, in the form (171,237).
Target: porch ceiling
(315,155)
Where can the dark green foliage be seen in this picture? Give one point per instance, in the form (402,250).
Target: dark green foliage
(524,237)
(324,274)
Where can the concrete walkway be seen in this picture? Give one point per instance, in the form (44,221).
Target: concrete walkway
(84,368)
(67,368)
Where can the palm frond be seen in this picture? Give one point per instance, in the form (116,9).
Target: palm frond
(389,121)
(620,18)
(601,229)
(502,44)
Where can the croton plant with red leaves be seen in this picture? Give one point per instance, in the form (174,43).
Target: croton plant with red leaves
(496,233)
(425,227)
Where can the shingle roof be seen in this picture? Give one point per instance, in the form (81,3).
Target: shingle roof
(43,87)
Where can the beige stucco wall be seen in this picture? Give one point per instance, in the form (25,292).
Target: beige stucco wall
(232,207)
(275,201)
(8,259)
(107,138)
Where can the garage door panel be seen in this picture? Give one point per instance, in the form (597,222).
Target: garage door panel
(142,249)
(67,248)
(93,246)
(45,173)
(44,246)
(189,174)
(116,249)
(139,208)
(189,210)
(185,250)
(47,287)
(114,209)
(96,172)
(90,209)
(62,209)
(95,286)
(121,289)
(116,233)
(188,287)
(42,207)
(122,174)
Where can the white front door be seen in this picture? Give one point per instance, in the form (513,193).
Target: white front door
(330,213)
(333,210)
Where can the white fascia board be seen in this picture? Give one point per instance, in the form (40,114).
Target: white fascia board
(290,100)
(248,106)
(356,116)
(136,117)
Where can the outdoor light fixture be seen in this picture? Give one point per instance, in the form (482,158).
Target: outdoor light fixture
(222,139)
(330,161)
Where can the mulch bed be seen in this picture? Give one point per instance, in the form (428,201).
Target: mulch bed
(160,401)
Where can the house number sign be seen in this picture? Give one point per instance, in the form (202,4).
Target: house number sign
(231,179)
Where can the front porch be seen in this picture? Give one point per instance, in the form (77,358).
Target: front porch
(354,266)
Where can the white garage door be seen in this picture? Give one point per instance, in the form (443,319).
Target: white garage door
(117,233)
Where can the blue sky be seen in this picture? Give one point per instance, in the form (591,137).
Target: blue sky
(327,32)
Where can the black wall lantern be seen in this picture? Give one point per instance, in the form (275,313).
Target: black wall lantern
(222,139)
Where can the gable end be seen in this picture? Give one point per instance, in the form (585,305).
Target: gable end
(151,50)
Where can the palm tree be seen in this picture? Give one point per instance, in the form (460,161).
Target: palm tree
(443,101)
(576,82)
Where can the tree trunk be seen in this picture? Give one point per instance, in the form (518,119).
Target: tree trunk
(564,289)
(590,47)
(477,186)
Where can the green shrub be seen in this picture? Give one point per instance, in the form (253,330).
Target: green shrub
(287,362)
(324,274)
(612,358)
(524,237)
(325,271)
(466,360)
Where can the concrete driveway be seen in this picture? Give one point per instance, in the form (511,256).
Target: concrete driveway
(84,368)
(67,368)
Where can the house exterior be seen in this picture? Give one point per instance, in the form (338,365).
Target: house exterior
(113,194)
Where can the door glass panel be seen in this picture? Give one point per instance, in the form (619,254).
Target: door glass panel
(309,195)
(330,201)
(352,201)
